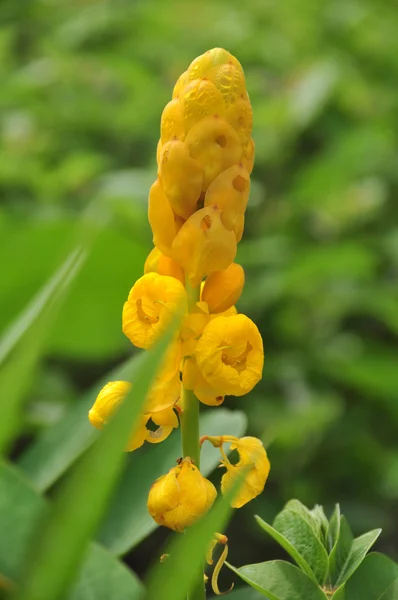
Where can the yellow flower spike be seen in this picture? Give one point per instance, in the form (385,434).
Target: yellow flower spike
(179,498)
(172,123)
(230,192)
(252,455)
(151,303)
(204,245)
(215,145)
(222,289)
(199,99)
(192,379)
(181,178)
(157,262)
(162,219)
(230,354)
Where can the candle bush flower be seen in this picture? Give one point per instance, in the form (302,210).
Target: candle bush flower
(196,210)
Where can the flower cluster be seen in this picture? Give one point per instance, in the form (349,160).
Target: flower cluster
(196,210)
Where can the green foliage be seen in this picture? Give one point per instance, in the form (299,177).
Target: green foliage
(333,568)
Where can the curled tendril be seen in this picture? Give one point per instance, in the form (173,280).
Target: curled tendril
(216,572)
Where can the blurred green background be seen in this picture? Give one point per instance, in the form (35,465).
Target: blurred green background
(83,86)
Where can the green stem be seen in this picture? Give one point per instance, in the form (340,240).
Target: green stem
(190,437)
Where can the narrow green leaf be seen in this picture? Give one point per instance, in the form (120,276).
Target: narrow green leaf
(279,580)
(298,531)
(341,551)
(17,372)
(71,523)
(128,521)
(189,551)
(375,579)
(333,532)
(102,576)
(360,547)
(286,545)
(45,461)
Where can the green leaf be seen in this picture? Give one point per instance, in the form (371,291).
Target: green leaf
(127,521)
(333,532)
(279,580)
(71,523)
(34,326)
(295,526)
(341,551)
(243,593)
(375,579)
(102,576)
(61,445)
(348,553)
(286,545)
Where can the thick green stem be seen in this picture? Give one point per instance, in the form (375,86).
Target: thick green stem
(190,436)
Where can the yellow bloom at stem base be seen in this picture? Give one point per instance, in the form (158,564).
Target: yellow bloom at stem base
(179,498)
(109,400)
(151,303)
(253,460)
(230,354)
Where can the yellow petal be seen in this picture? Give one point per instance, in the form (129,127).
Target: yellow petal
(107,402)
(252,455)
(151,303)
(223,289)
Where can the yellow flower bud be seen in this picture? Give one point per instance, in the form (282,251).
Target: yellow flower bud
(179,498)
(162,218)
(248,156)
(201,66)
(204,245)
(230,192)
(192,379)
(215,145)
(252,455)
(240,116)
(199,99)
(229,80)
(108,401)
(157,262)
(181,83)
(181,178)
(151,303)
(172,123)
(222,289)
(230,354)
